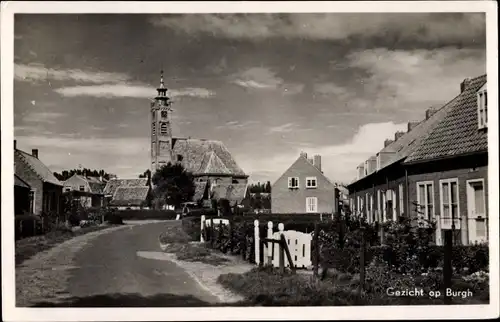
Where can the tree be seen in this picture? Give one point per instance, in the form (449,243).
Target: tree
(174,184)
(66,174)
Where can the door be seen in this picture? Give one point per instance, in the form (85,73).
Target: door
(476,211)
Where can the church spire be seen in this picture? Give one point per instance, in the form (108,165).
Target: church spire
(162,97)
(162,85)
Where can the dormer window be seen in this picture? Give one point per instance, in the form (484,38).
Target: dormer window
(482,108)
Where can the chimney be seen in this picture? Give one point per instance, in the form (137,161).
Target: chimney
(429,112)
(15,144)
(387,142)
(34,153)
(464,84)
(398,134)
(317,162)
(100,178)
(303,154)
(411,125)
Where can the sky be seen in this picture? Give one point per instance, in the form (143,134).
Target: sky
(267,85)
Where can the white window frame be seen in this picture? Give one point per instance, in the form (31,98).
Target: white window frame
(379,212)
(401,199)
(384,205)
(473,217)
(424,202)
(163,128)
(310,179)
(441,204)
(290,182)
(34,200)
(482,108)
(309,203)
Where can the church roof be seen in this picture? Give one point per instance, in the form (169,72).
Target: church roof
(204,157)
(130,196)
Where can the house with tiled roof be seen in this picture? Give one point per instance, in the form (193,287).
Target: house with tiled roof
(45,189)
(92,186)
(127,193)
(303,188)
(208,160)
(433,170)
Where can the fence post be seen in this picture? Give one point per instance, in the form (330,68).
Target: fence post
(281,228)
(231,235)
(447,265)
(202,228)
(256,241)
(270,245)
(321,217)
(362,262)
(316,249)
(332,216)
(212,232)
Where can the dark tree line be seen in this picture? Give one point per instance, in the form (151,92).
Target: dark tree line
(260,188)
(66,174)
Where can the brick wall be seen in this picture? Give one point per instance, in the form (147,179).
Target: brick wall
(286,200)
(28,175)
(463,170)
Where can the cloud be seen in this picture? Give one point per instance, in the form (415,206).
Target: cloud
(398,77)
(284,128)
(330,89)
(34,73)
(126,156)
(236,125)
(124,90)
(257,77)
(42,117)
(339,161)
(409,28)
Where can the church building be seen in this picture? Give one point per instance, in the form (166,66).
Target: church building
(216,173)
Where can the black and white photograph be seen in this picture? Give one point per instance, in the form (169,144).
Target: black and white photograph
(262,160)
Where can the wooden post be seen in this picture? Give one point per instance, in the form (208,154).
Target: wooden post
(256,241)
(202,228)
(231,221)
(270,245)
(282,256)
(212,232)
(447,265)
(362,267)
(287,253)
(316,249)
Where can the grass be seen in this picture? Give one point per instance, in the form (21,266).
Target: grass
(265,286)
(28,247)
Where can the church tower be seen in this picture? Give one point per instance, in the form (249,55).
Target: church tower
(161,128)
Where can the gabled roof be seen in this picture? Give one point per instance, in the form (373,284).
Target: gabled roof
(20,182)
(95,184)
(199,192)
(129,196)
(203,157)
(408,142)
(234,192)
(40,169)
(458,132)
(304,159)
(113,184)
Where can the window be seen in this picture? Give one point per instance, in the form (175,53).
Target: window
(401,200)
(153,129)
(311,204)
(371,213)
(425,201)
(482,108)
(368,207)
(164,114)
(82,188)
(379,207)
(384,205)
(32,201)
(449,203)
(67,189)
(391,205)
(476,211)
(293,182)
(311,182)
(163,128)
(179,157)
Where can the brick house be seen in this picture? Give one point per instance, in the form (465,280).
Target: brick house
(303,188)
(94,188)
(438,167)
(45,189)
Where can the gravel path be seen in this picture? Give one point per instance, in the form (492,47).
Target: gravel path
(44,276)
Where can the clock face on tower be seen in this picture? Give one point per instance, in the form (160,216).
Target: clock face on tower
(164,114)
